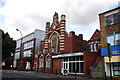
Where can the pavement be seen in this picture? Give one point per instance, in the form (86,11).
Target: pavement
(40,76)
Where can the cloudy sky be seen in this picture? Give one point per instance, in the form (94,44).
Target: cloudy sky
(28,15)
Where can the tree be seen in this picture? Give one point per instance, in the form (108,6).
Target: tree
(8,46)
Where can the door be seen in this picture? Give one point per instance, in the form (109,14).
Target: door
(65,68)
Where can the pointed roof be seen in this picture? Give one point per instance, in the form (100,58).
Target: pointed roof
(96,35)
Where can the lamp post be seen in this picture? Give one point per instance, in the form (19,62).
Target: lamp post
(20,50)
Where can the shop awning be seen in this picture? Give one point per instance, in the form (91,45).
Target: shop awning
(67,55)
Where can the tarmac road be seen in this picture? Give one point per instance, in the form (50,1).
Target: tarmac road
(15,75)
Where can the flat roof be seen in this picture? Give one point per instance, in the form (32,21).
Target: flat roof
(109,10)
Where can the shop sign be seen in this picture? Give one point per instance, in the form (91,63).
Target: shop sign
(115,50)
(96,69)
(67,55)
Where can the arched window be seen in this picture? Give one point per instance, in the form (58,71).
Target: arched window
(48,57)
(54,43)
(41,61)
(48,61)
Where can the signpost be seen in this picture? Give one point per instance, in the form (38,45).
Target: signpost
(109,55)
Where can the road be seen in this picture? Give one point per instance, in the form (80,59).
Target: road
(14,75)
(28,75)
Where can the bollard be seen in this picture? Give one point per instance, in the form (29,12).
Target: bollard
(105,76)
(56,71)
(10,67)
(75,74)
(52,71)
(48,71)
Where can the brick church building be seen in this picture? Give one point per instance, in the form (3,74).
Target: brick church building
(62,52)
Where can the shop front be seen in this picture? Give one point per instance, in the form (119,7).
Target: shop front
(115,60)
(72,63)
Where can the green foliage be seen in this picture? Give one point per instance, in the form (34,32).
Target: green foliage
(8,46)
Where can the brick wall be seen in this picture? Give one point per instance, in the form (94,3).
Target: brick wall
(102,30)
(89,61)
(57,65)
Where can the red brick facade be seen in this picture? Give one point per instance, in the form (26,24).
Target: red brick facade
(94,42)
(58,45)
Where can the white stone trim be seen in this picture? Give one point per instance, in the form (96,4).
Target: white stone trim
(68,55)
(62,35)
(112,12)
(61,43)
(61,48)
(62,21)
(62,24)
(61,40)
(62,27)
(46,39)
(46,33)
(53,33)
(91,42)
(62,30)
(46,42)
(46,47)
(97,41)
(50,31)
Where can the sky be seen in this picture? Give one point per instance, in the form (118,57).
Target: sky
(28,15)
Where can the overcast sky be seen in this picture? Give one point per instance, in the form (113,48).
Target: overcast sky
(28,15)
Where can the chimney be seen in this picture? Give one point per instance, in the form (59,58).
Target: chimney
(81,36)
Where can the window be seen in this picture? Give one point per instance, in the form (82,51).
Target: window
(48,57)
(108,20)
(76,64)
(110,39)
(112,19)
(54,43)
(99,46)
(17,56)
(117,37)
(95,47)
(116,69)
(41,64)
(113,38)
(28,45)
(91,47)
(41,58)
(48,63)
(27,53)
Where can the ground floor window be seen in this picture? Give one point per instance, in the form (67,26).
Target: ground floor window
(77,67)
(41,64)
(73,64)
(48,63)
(116,69)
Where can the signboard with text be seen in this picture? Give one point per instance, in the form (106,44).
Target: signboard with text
(115,50)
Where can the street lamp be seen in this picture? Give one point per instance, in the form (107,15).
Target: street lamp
(20,50)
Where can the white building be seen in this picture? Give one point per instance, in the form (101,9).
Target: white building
(30,46)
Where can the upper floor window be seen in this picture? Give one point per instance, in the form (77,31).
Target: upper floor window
(110,39)
(28,45)
(91,47)
(113,38)
(27,53)
(95,47)
(112,19)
